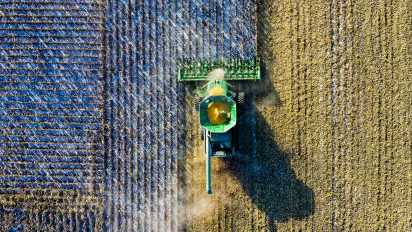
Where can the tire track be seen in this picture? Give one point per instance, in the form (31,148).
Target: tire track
(134,177)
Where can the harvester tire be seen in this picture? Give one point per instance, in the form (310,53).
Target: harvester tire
(241,99)
(202,133)
(197,103)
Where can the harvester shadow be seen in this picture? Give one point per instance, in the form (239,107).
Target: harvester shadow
(265,174)
(262,168)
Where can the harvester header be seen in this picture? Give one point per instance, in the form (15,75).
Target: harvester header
(235,69)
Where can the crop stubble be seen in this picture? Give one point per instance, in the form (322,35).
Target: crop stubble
(341,71)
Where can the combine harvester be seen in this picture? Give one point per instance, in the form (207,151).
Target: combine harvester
(216,102)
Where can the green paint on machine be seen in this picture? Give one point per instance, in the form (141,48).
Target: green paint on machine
(219,138)
(235,69)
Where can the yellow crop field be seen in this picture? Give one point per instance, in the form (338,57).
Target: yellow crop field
(331,123)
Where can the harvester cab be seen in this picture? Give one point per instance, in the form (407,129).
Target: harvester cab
(217,116)
(218,103)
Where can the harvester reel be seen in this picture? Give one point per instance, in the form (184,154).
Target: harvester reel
(235,69)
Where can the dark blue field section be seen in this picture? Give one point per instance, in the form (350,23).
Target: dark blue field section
(92,118)
(51,110)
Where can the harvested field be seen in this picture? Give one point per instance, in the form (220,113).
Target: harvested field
(96,134)
(332,125)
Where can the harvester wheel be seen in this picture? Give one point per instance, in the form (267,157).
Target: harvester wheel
(197,103)
(202,133)
(241,98)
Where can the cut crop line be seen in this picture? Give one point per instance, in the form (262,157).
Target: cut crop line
(122,116)
(56,82)
(146,221)
(48,122)
(96,3)
(151,187)
(56,129)
(86,89)
(56,49)
(142,137)
(52,56)
(52,69)
(92,171)
(111,146)
(51,149)
(51,16)
(165,190)
(50,198)
(45,102)
(92,85)
(51,75)
(31,93)
(46,189)
(139,123)
(16,163)
(52,9)
(168,214)
(54,108)
(51,83)
(90,156)
(128,110)
(50,23)
(86,179)
(34,95)
(92,167)
(45,199)
(59,29)
(129,195)
(51,42)
(119,121)
(160,100)
(75,186)
(48,116)
(155,131)
(49,136)
(36,99)
(134,178)
(16,166)
(49,39)
(87,140)
(86,144)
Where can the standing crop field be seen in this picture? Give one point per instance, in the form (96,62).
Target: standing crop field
(96,134)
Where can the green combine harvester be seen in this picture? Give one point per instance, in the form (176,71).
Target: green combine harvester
(217,102)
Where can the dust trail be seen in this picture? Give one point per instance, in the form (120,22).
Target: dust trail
(200,208)
(217,74)
(204,206)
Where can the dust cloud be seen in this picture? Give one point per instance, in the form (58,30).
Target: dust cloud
(217,74)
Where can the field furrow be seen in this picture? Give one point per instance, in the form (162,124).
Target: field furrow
(96,133)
